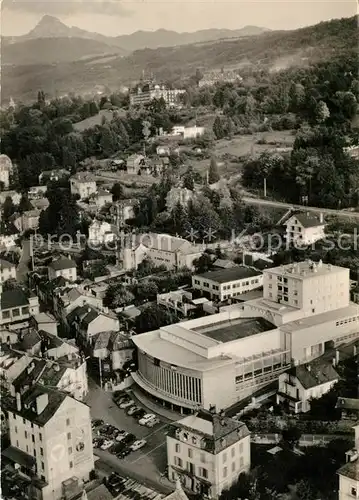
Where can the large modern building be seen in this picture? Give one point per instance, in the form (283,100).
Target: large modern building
(224,358)
(51,440)
(225,284)
(208,451)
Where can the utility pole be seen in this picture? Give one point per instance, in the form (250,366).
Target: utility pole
(265,187)
(100,370)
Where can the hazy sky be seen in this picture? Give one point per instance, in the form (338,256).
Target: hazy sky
(125,16)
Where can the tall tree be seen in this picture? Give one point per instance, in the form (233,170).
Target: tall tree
(213,173)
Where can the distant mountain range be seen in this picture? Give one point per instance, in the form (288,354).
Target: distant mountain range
(28,49)
(108,68)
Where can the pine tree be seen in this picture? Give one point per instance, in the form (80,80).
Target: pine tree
(213,174)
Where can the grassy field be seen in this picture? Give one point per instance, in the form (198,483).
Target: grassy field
(96,120)
(244,145)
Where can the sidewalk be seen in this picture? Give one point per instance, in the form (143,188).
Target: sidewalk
(164,413)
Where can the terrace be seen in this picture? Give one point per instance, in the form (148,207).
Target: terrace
(239,328)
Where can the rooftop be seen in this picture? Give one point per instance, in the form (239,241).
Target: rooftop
(350,470)
(44,318)
(316,373)
(5,264)
(305,269)
(348,404)
(306,219)
(231,274)
(220,431)
(13,298)
(62,263)
(239,328)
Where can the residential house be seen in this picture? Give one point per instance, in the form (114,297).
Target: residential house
(188,132)
(16,306)
(180,301)
(64,267)
(349,408)
(224,264)
(12,363)
(299,385)
(304,228)
(102,233)
(135,163)
(7,271)
(88,321)
(83,184)
(102,198)
(162,249)
(123,210)
(349,473)
(27,221)
(6,169)
(8,337)
(46,322)
(114,347)
(208,451)
(227,283)
(40,204)
(50,440)
(67,299)
(53,175)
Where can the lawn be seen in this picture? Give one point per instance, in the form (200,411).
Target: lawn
(244,145)
(96,120)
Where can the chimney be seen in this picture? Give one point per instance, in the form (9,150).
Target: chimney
(337,355)
(18,401)
(308,368)
(56,367)
(41,403)
(333,362)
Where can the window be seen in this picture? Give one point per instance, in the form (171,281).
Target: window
(178,448)
(313,311)
(178,461)
(225,471)
(25,435)
(15,429)
(40,436)
(24,421)
(71,465)
(69,435)
(24,310)
(224,457)
(354,492)
(17,444)
(233,466)
(194,440)
(33,438)
(41,451)
(191,468)
(16,312)
(69,450)
(43,477)
(241,462)
(27,449)
(34,453)
(67,421)
(240,447)
(42,466)
(190,453)
(203,458)
(6,314)
(204,473)
(233,451)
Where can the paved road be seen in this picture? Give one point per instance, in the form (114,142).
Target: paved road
(22,268)
(325,211)
(146,464)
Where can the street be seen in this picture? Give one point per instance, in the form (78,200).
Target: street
(146,465)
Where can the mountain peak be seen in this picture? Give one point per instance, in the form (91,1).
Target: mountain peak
(49,26)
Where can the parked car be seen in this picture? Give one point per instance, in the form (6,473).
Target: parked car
(106,444)
(153,422)
(124,453)
(126,404)
(139,413)
(129,439)
(132,410)
(96,423)
(137,445)
(98,442)
(146,418)
(121,437)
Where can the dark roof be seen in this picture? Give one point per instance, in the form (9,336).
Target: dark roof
(28,409)
(52,374)
(224,263)
(62,263)
(90,316)
(19,457)
(30,339)
(233,274)
(348,404)
(99,493)
(228,330)
(350,470)
(79,312)
(5,264)
(13,298)
(315,373)
(30,375)
(307,219)
(225,431)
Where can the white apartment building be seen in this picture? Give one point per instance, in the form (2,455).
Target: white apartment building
(302,383)
(63,267)
(208,451)
(226,357)
(225,284)
(349,473)
(101,233)
(146,93)
(83,184)
(51,439)
(305,228)
(16,307)
(7,271)
(188,132)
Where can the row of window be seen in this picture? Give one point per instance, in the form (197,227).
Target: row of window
(190,451)
(202,472)
(15,312)
(346,321)
(228,287)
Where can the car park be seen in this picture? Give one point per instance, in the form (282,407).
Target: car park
(96,423)
(121,436)
(137,445)
(153,422)
(106,444)
(126,404)
(139,413)
(129,439)
(98,442)
(132,410)
(124,453)
(146,418)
